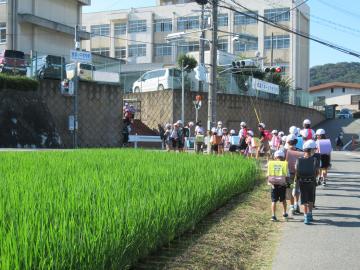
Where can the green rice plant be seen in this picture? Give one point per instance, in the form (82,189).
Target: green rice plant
(105,209)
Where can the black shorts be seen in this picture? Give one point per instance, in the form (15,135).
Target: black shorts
(243,144)
(325,161)
(215,147)
(307,190)
(232,148)
(278,193)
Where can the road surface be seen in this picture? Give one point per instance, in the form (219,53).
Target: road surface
(333,240)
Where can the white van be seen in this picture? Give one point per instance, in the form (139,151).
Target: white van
(160,79)
(85,71)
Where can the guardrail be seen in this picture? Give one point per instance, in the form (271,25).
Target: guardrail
(145,138)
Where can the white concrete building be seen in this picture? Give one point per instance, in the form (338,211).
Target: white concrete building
(138,35)
(345,95)
(45,26)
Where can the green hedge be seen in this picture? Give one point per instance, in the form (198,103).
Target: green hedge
(19,83)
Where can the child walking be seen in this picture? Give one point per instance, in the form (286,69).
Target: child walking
(277,174)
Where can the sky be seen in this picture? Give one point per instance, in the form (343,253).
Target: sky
(334,21)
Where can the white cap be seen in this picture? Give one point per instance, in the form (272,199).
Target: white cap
(293,130)
(251,133)
(274,131)
(310,144)
(232,131)
(168,125)
(213,130)
(291,137)
(261,125)
(179,122)
(191,124)
(219,123)
(320,131)
(283,138)
(279,153)
(281,133)
(242,124)
(307,122)
(224,128)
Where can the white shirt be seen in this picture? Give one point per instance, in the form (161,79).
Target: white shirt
(199,130)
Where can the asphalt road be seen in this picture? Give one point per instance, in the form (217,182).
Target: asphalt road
(333,240)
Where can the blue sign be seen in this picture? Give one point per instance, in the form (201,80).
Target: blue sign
(80,56)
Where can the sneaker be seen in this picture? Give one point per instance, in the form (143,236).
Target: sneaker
(286,216)
(297,210)
(273,218)
(310,217)
(324,183)
(306,221)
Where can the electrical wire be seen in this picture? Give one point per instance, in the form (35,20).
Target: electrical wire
(289,30)
(340,9)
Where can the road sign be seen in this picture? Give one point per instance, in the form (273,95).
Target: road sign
(80,56)
(72,124)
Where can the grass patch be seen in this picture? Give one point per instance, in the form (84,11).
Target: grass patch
(19,83)
(239,235)
(104,209)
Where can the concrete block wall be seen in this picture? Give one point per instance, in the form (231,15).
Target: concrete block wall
(100,113)
(165,107)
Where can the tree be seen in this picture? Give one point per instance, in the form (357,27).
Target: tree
(186,60)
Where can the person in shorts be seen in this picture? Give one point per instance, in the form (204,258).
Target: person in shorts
(306,170)
(264,147)
(278,192)
(293,188)
(243,135)
(324,158)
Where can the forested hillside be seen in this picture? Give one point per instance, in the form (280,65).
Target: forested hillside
(340,72)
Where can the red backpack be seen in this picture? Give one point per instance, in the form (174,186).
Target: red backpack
(309,135)
(268,135)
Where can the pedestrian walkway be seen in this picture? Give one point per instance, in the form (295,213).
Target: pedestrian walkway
(333,240)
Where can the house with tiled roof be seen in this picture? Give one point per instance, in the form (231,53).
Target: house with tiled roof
(345,95)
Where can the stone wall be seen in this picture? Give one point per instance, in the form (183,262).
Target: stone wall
(165,107)
(100,113)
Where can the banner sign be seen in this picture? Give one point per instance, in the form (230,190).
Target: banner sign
(265,86)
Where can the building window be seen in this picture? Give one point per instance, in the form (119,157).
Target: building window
(2,32)
(223,45)
(223,20)
(163,50)
(320,101)
(100,30)
(163,25)
(120,52)
(101,51)
(137,50)
(249,18)
(277,14)
(119,29)
(332,90)
(355,99)
(279,42)
(186,23)
(245,46)
(189,47)
(343,90)
(137,26)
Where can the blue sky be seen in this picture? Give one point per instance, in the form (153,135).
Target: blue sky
(341,27)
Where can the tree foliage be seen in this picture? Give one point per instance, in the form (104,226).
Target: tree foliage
(186,60)
(341,72)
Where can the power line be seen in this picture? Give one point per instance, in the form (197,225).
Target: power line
(292,31)
(337,8)
(288,11)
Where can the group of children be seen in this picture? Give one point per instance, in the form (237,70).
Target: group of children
(297,168)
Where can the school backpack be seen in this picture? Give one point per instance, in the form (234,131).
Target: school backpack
(268,135)
(310,134)
(291,157)
(324,146)
(277,172)
(306,167)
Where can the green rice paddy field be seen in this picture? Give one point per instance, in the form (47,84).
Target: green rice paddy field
(105,209)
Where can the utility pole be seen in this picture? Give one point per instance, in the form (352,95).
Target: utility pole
(76,86)
(213,67)
(202,44)
(272,49)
